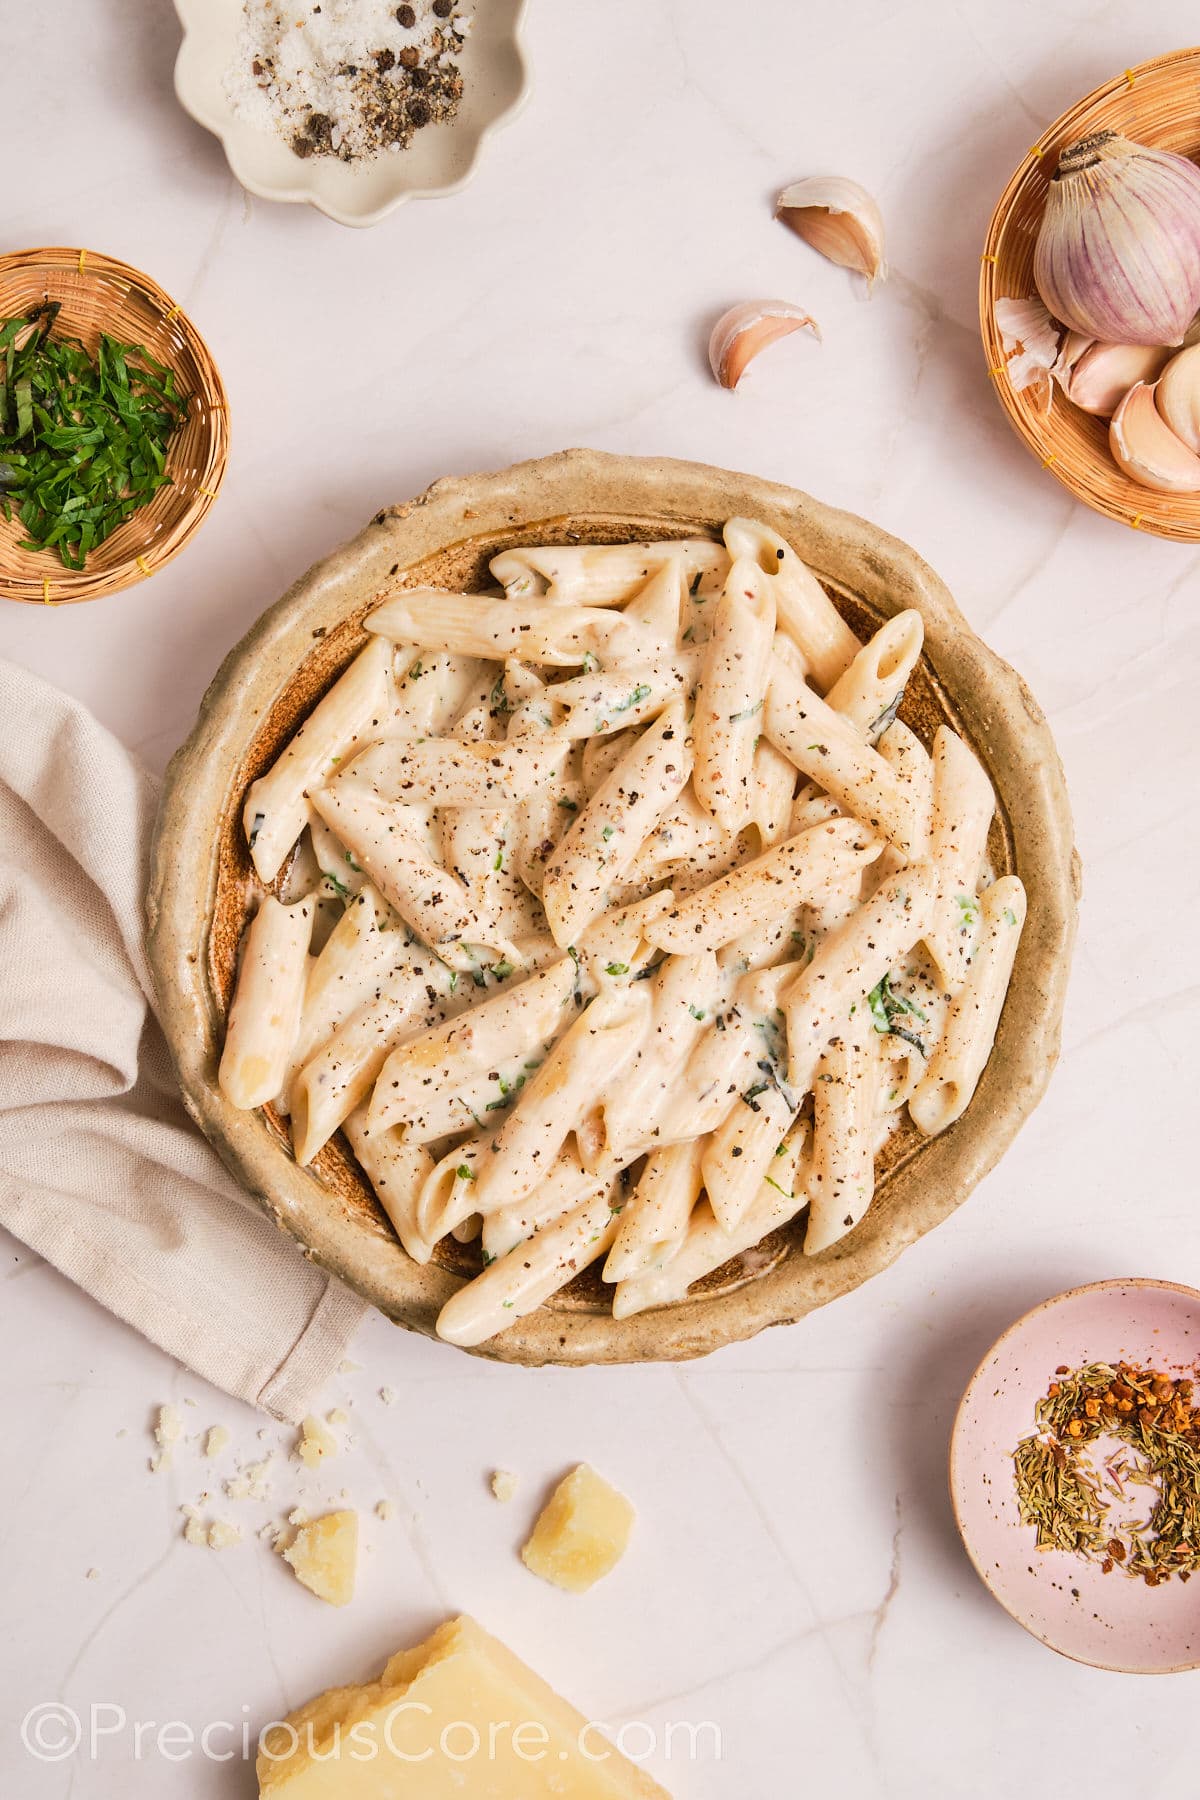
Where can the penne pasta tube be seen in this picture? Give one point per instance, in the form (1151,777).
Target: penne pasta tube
(851,961)
(434,904)
(264,1016)
(734,668)
(963,804)
(600,757)
(596,1047)
(959,1057)
(432,691)
(800,869)
(658,606)
(686,995)
(870,690)
(720,1067)
(803,609)
(564,1186)
(418,1083)
(654,1220)
(841,1182)
(396,1171)
(518,1283)
(904,752)
(479,625)
(339,1076)
(739,1155)
(603,574)
(608,700)
(708,1246)
(355,709)
(606,836)
(334,863)
(826,747)
(447,1197)
(442,771)
(773,785)
(363,949)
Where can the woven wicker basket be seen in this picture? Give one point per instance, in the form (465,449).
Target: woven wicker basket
(98,294)
(1156,103)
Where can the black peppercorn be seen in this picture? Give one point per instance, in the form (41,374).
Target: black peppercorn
(443,8)
(406,16)
(418,111)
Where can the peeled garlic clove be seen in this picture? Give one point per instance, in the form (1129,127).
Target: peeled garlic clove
(1101,377)
(739,335)
(838,218)
(1147,449)
(1177,396)
(1118,251)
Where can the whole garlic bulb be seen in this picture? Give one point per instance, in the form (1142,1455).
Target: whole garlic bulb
(1118,252)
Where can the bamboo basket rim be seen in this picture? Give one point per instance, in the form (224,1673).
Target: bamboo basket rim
(1156,102)
(101,292)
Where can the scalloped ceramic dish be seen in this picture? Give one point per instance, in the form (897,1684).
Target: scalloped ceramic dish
(202,883)
(439,160)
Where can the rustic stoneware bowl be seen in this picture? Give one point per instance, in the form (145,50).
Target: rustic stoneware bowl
(1110,1620)
(202,883)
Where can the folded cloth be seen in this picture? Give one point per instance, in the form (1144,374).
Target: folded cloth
(101,1170)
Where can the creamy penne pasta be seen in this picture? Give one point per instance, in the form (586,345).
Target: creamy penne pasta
(356,709)
(963,804)
(644,920)
(265,1015)
(734,667)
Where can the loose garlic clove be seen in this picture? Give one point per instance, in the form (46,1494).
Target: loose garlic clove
(1177,396)
(840,220)
(1102,374)
(739,335)
(1147,449)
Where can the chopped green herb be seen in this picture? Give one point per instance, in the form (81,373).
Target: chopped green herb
(488,1259)
(339,887)
(747,712)
(697,1012)
(590,662)
(502,970)
(83,438)
(968,906)
(568,805)
(1009,916)
(416,672)
(779,1190)
(357,867)
(781,1149)
(499,862)
(751,1094)
(465,1172)
(887,1006)
(640,692)
(615,968)
(608,832)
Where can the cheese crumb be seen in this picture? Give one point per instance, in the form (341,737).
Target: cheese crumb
(216,1440)
(346,1367)
(222,1535)
(504,1484)
(194,1531)
(299,1517)
(252,1482)
(324,1556)
(315,1442)
(339,1417)
(388,1396)
(93,1575)
(167,1433)
(386,1510)
(583,1532)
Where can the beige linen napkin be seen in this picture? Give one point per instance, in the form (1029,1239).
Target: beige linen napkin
(101,1171)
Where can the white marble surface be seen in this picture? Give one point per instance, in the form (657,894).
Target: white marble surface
(796,1578)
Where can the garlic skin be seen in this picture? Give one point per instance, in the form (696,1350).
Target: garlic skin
(840,220)
(740,334)
(1029,339)
(1097,377)
(1177,396)
(1118,252)
(1147,449)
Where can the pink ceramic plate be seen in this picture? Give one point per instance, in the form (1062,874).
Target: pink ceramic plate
(1111,1621)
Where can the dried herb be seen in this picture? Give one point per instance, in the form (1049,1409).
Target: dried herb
(83,440)
(1064,1491)
(887,1007)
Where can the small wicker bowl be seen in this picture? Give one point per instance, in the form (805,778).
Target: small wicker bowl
(1156,103)
(99,294)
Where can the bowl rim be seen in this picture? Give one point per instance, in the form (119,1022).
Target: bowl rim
(196,19)
(1028,426)
(1109,1284)
(657,495)
(72,587)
